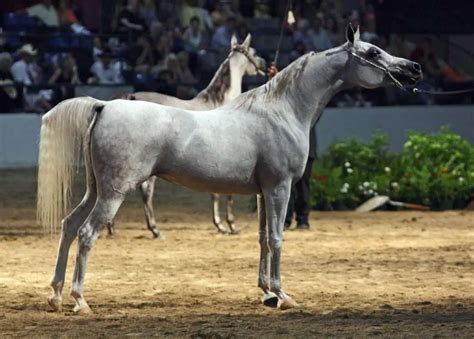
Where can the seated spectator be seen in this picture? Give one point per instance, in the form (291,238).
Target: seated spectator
(319,36)
(335,34)
(147,12)
(98,48)
(140,55)
(191,9)
(67,18)
(223,34)
(301,35)
(193,37)
(128,19)
(299,50)
(65,74)
(106,70)
(368,31)
(45,12)
(26,72)
(8,93)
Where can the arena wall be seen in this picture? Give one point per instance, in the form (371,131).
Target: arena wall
(19,133)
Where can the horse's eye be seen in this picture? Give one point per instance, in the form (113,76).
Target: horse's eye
(373,53)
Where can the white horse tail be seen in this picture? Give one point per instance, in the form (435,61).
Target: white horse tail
(65,132)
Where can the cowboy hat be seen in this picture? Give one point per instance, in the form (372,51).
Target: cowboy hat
(27,49)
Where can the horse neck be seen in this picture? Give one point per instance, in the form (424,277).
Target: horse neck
(224,86)
(315,80)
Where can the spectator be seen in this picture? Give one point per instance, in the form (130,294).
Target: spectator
(65,74)
(8,93)
(45,12)
(67,18)
(223,34)
(369,34)
(335,34)
(319,36)
(147,12)
(98,48)
(299,50)
(193,37)
(106,70)
(191,9)
(128,19)
(26,72)
(140,56)
(302,34)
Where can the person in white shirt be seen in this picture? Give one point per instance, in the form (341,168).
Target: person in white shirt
(26,72)
(105,70)
(45,12)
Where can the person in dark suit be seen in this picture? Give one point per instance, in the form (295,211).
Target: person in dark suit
(299,204)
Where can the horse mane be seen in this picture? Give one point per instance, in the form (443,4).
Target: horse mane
(218,86)
(277,86)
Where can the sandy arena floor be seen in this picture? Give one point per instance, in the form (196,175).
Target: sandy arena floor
(381,274)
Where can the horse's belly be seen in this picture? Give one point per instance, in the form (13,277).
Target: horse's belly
(205,183)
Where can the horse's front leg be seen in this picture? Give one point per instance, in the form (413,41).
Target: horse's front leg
(269,299)
(147,189)
(230,215)
(276,203)
(216,219)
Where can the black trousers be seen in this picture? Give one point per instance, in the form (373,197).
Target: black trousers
(299,203)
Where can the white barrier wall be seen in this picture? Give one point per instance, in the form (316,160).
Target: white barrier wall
(19,133)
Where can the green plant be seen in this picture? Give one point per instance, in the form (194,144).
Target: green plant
(436,170)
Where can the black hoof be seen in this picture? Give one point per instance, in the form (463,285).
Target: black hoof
(270,300)
(234,231)
(158,236)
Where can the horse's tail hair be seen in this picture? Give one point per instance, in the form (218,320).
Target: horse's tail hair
(65,133)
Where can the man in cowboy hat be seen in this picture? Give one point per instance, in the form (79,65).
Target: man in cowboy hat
(26,72)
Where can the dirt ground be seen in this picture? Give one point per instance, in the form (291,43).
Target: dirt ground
(397,274)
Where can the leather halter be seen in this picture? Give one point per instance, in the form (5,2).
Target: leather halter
(384,69)
(244,51)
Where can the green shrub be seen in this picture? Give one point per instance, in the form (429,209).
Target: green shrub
(435,170)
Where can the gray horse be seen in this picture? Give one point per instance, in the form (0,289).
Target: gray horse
(257,144)
(224,87)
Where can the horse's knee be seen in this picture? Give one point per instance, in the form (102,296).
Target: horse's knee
(275,243)
(87,237)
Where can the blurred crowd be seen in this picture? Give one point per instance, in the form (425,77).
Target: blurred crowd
(173,46)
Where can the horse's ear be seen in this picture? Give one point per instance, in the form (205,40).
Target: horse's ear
(247,40)
(357,34)
(233,40)
(350,34)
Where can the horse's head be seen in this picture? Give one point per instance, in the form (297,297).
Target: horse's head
(371,67)
(245,57)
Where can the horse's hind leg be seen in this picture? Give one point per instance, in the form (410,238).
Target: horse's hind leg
(216,219)
(103,212)
(70,225)
(147,189)
(230,215)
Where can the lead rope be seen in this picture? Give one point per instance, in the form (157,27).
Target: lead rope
(462,91)
(289,17)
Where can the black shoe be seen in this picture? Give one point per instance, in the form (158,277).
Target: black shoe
(286,227)
(302,227)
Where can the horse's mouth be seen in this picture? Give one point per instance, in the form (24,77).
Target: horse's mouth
(407,79)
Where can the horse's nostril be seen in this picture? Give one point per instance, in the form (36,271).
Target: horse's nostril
(416,67)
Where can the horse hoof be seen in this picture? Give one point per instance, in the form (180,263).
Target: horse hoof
(82,309)
(221,229)
(158,236)
(287,303)
(55,303)
(270,299)
(234,231)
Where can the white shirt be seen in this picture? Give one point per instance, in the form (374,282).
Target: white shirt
(107,75)
(48,15)
(23,73)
